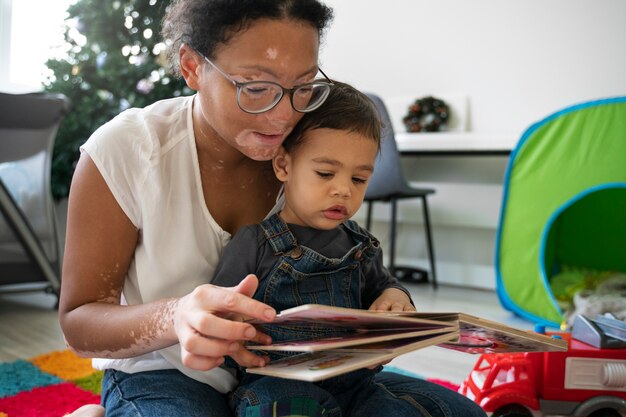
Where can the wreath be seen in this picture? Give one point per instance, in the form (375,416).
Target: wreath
(427,114)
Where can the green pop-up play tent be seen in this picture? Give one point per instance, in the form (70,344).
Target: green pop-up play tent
(564,205)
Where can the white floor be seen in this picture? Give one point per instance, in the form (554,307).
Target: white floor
(29,327)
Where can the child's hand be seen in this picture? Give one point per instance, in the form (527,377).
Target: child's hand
(392,299)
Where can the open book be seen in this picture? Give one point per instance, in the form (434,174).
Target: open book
(372,337)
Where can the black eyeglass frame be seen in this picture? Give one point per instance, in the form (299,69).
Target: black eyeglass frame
(241,85)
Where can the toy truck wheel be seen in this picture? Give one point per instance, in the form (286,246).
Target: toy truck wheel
(513,410)
(605,413)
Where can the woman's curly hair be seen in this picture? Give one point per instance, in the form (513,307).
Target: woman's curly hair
(205,24)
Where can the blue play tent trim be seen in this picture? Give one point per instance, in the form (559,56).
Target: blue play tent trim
(503,296)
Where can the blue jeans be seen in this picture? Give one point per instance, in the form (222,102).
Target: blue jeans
(362,393)
(173,394)
(160,393)
(434,399)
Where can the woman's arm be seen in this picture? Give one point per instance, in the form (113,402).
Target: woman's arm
(100,246)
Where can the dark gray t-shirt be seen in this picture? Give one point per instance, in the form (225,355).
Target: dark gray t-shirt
(249,252)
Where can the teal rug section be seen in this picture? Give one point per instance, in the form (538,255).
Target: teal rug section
(21,376)
(447,384)
(401,371)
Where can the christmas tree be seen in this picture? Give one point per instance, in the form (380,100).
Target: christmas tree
(115,60)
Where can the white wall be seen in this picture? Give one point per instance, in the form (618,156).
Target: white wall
(5,42)
(516,61)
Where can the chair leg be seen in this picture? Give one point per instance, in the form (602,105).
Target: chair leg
(368,216)
(392,237)
(408,273)
(429,241)
(24,233)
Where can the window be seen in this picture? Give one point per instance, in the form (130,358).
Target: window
(32,30)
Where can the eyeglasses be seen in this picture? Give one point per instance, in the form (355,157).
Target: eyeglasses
(260,96)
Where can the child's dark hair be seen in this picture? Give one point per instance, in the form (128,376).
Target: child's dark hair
(346,108)
(204,24)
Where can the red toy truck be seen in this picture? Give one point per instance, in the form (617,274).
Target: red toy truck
(583,382)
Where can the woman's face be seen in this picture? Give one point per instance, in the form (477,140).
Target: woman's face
(282,51)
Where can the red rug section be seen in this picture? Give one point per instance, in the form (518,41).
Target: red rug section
(51,401)
(49,385)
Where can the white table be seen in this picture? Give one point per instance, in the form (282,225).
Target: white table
(456,144)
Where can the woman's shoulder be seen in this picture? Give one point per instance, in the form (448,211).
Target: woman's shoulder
(145,132)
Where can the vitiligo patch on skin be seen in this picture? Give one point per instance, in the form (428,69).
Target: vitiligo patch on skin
(112,295)
(139,339)
(271,54)
(254,149)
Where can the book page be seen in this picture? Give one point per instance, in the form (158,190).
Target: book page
(317,366)
(479,335)
(351,339)
(328,316)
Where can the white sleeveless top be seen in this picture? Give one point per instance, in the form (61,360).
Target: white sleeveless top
(149,161)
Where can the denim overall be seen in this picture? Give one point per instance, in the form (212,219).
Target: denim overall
(304,276)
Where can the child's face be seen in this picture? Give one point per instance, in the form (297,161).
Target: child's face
(325,177)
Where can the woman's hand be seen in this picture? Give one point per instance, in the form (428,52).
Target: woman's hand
(392,299)
(206,333)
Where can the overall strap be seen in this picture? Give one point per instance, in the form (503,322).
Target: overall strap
(370,245)
(278,234)
(359,234)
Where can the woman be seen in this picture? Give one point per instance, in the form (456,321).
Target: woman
(158,192)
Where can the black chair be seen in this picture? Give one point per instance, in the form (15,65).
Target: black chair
(388,184)
(29,240)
